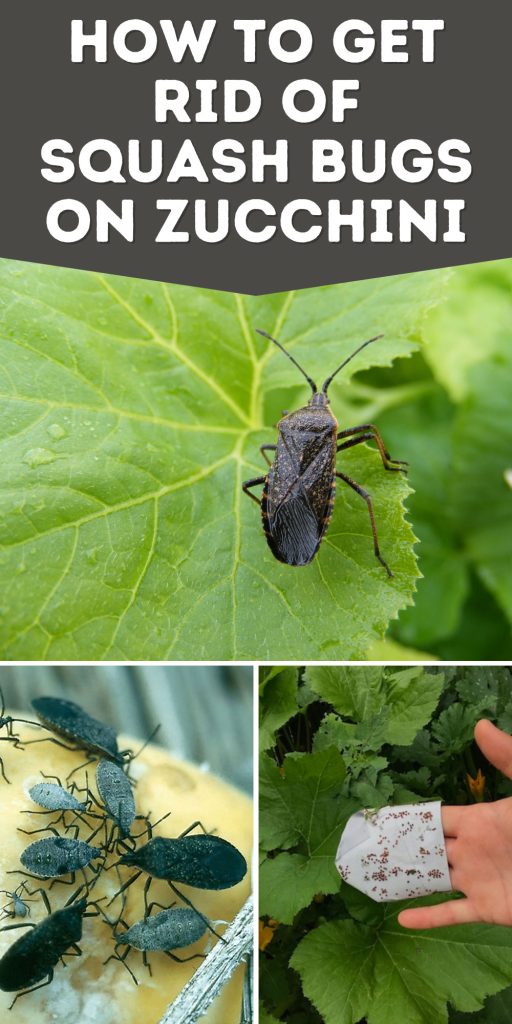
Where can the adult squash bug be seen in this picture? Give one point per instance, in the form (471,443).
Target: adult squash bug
(299,489)
(29,963)
(72,723)
(201,861)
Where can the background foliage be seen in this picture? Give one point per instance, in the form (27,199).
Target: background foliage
(335,740)
(130,413)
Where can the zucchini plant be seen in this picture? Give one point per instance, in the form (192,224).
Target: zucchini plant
(334,740)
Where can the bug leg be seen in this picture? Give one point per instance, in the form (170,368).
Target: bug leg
(366,497)
(27,874)
(267,448)
(146,962)
(194,824)
(62,881)
(2,770)
(183,959)
(11,927)
(34,989)
(122,960)
(155,904)
(49,739)
(253,483)
(192,907)
(372,434)
(147,886)
(125,886)
(84,764)
(33,831)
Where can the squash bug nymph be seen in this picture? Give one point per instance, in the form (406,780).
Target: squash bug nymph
(299,489)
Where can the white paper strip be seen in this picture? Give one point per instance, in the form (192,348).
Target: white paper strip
(395,853)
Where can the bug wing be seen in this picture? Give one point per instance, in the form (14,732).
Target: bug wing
(293,534)
(69,720)
(297,501)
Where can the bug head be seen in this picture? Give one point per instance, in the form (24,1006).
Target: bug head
(319,398)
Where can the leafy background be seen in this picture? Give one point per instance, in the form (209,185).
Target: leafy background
(333,740)
(131,412)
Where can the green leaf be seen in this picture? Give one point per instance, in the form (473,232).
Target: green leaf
(350,971)
(131,414)
(390,650)
(409,695)
(298,803)
(367,735)
(267,1018)
(354,692)
(497,1010)
(483,456)
(454,728)
(423,432)
(277,704)
(422,751)
(485,687)
(376,793)
(412,696)
(475,317)
(303,809)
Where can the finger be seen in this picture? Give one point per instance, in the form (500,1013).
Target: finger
(496,746)
(451,851)
(440,916)
(451,818)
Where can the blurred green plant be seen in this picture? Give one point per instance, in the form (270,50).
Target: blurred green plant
(370,736)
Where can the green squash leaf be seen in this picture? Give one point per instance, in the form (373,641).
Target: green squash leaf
(350,971)
(266,1018)
(277,704)
(482,490)
(131,413)
(497,1010)
(410,696)
(302,808)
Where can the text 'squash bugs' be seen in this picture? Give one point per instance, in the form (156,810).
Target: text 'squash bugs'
(299,489)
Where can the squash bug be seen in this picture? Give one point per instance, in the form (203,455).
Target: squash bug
(54,797)
(50,858)
(69,720)
(33,957)
(18,905)
(203,862)
(299,489)
(116,792)
(160,933)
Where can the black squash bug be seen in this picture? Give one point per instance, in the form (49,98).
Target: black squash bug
(69,720)
(202,861)
(299,489)
(33,957)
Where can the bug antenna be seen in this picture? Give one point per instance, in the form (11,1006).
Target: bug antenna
(347,360)
(294,361)
(144,745)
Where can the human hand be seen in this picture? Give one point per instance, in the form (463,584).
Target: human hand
(479,849)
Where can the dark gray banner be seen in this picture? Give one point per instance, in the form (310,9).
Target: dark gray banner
(420,171)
